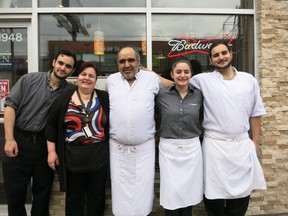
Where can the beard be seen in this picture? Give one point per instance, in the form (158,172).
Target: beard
(129,76)
(224,67)
(59,77)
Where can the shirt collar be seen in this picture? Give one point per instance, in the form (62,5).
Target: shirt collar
(173,88)
(220,75)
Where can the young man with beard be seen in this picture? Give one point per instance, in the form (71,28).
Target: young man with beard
(232,107)
(25,115)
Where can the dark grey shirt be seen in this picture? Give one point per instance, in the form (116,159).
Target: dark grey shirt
(180,118)
(31,97)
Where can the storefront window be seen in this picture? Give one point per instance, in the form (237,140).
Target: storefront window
(239,4)
(188,37)
(76,32)
(92,3)
(173,37)
(13,56)
(15,3)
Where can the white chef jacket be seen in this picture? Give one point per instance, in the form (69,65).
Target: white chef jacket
(132,107)
(228,104)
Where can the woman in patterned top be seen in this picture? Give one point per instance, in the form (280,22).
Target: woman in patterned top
(77,140)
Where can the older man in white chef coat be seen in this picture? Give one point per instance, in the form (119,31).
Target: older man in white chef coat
(132,129)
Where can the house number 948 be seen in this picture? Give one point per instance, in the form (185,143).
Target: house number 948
(4,37)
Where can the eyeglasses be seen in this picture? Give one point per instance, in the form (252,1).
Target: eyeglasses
(130,60)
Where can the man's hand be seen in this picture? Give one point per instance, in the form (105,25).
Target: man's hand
(53,160)
(11,148)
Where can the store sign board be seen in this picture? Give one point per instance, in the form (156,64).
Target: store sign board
(5,58)
(4,91)
(5,61)
(4,88)
(184,44)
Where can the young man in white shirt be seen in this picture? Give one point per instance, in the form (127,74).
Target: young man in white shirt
(232,107)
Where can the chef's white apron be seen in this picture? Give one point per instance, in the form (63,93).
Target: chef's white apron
(132,178)
(181,172)
(231,166)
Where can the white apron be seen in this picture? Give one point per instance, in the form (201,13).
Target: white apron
(181,172)
(231,166)
(132,178)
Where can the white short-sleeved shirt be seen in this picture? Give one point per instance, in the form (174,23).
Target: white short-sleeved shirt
(132,107)
(228,104)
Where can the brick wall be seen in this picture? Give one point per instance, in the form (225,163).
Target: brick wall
(272,24)
(272,28)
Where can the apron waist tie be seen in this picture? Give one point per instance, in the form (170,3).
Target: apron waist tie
(183,147)
(226,137)
(128,148)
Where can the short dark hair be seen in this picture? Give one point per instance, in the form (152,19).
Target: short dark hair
(67,53)
(84,65)
(216,43)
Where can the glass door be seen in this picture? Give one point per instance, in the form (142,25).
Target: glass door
(13,64)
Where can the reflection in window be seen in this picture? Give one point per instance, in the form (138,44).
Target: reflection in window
(240,4)
(15,3)
(76,32)
(92,3)
(189,37)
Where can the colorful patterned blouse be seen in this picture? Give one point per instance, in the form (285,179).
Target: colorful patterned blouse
(75,121)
